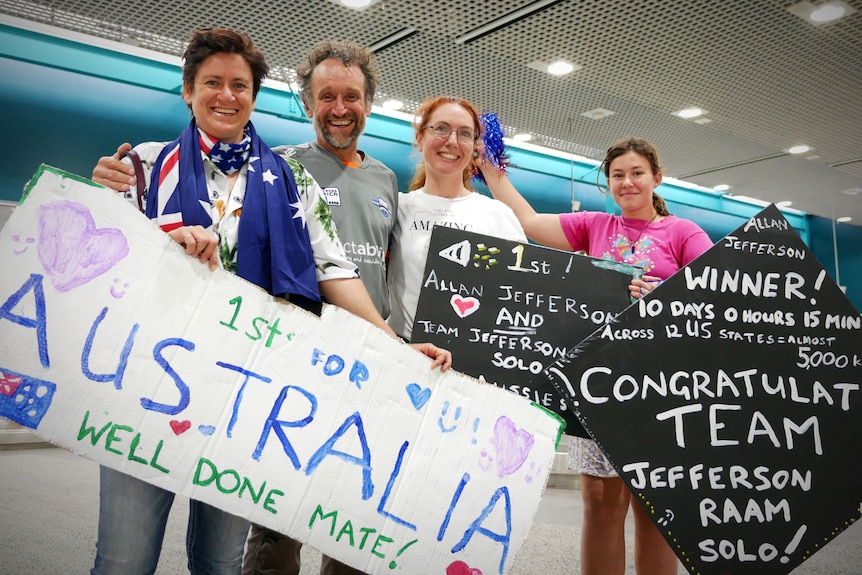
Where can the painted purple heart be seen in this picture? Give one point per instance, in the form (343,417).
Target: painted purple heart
(513,445)
(71,249)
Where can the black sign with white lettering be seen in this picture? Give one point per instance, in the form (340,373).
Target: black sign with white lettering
(507,310)
(738,425)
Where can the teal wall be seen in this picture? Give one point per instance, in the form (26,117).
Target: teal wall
(68,103)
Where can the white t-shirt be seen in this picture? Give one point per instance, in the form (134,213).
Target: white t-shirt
(418,213)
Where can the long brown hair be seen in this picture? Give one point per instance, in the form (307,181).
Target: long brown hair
(423,115)
(649,153)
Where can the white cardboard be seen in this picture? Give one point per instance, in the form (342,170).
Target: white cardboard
(449,470)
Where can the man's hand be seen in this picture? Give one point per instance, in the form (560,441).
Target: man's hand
(114,174)
(442,357)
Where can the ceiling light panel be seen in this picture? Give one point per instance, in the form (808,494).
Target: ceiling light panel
(742,61)
(755,42)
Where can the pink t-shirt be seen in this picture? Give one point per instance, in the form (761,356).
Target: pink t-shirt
(660,248)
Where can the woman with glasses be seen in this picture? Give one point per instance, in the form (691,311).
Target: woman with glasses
(644,234)
(449,137)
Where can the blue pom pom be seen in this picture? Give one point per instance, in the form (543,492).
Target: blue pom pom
(494,148)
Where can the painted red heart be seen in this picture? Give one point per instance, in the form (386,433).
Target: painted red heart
(180,427)
(9,383)
(464,306)
(461,568)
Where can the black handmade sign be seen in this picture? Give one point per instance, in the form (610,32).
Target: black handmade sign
(507,310)
(738,424)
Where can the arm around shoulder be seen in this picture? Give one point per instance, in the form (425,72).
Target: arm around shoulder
(113,173)
(326,246)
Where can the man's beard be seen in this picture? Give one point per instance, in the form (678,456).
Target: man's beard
(336,142)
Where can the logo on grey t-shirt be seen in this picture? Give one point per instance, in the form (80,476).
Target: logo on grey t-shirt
(381,205)
(333,196)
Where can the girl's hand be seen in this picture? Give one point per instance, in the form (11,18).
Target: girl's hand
(442,357)
(641,287)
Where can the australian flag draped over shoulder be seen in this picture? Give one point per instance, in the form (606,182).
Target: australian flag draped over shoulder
(273,249)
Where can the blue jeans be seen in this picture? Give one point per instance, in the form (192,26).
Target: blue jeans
(132,519)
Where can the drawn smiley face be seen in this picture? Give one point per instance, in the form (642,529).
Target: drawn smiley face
(119,287)
(454,418)
(22,244)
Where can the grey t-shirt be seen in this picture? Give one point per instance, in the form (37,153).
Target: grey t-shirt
(364,202)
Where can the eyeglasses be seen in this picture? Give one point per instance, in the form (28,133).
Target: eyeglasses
(465,135)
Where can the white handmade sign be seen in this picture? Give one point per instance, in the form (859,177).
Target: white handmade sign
(121,348)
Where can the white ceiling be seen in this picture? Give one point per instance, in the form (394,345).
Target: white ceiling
(767,79)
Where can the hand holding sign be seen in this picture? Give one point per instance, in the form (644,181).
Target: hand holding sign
(740,434)
(200,383)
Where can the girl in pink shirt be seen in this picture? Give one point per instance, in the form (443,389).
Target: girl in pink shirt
(647,235)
